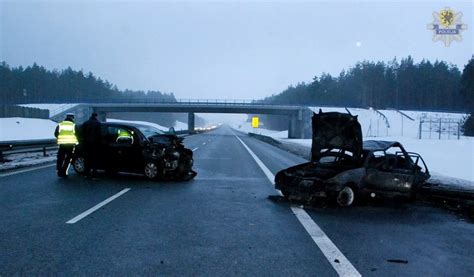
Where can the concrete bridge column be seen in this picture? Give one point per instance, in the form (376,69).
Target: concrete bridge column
(299,124)
(191,122)
(292,126)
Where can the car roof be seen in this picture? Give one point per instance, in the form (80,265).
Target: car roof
(379,145)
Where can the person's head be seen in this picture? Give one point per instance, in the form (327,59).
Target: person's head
(94,115)
(70,117)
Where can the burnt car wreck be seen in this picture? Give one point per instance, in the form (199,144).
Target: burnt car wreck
(344,169)
(136,148)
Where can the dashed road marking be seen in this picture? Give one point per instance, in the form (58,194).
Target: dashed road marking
(195,149)
(335,257)
(96,207)
(26,170)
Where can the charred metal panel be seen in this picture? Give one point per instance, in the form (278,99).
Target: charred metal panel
(336,130)
(353,176)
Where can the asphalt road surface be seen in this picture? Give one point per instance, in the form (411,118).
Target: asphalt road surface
(220,223)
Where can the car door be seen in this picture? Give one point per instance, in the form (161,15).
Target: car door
(383,174)
(124,150)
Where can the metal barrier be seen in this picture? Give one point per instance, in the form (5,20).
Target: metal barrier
(26,146)
(440,128)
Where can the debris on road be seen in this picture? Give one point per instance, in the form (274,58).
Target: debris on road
(396,261)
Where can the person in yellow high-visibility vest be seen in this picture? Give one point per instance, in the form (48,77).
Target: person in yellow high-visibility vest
(65,134)
(123,134)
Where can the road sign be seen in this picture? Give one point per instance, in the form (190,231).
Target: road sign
(255,122)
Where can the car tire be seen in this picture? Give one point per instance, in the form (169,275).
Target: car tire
(345,197)
(151,170)
(79,165)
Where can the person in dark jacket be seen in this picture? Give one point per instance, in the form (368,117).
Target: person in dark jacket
(90,133)
(65,134)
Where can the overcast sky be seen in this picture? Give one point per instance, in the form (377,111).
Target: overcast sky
(224,50)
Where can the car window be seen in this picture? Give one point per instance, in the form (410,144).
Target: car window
(119,135)
(376,158)
(149,131)
(395,150)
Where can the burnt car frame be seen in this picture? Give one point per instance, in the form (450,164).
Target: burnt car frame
(136,148)
(343,168)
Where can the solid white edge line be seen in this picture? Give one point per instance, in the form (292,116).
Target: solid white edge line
(26,170)
(335,257)
(96,207)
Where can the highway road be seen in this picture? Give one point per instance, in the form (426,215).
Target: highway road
(220,223)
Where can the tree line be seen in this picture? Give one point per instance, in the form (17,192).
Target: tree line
(35,84)
(396,84)
(403,85)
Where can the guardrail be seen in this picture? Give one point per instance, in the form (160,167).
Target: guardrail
(43,145)
(26,146)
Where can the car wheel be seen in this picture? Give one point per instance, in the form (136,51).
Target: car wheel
(151,170)
(79,165)
(345,197)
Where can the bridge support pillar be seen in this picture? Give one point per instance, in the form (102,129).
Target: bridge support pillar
(299,124)
(191,122)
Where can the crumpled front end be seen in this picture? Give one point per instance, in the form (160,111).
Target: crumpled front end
(303,182)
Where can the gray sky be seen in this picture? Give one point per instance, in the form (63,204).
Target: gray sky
(224,50)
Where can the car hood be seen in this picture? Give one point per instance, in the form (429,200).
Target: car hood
(333,130)
(165,139)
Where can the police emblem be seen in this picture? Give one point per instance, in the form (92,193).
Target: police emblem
(447,26)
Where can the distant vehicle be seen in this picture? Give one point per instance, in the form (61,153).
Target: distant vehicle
(135,148)
(344,168)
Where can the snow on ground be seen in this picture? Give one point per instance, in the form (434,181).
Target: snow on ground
(27,159)
(19,128)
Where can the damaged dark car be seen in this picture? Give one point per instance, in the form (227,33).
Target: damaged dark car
(136,148)
(344,169)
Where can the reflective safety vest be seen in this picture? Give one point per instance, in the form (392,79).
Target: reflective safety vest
(67,133)
(123,134)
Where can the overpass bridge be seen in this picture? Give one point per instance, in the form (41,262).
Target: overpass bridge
(299,117)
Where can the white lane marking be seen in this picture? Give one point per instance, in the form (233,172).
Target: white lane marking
(96,207)
(265,169)
(335,257)
(203,143)
(195,149)
(26,170)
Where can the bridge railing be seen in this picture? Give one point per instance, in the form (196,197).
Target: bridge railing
(65,106)
(189,101)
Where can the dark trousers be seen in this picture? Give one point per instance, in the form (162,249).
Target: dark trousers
(64,157)
(92,156)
